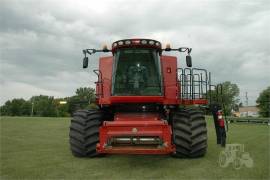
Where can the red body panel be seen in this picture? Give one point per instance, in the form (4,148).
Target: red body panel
(136,125)
(171,91)
(104,89)
(195,101)
(136,99)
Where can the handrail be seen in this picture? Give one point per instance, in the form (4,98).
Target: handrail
(194,83)
(99,83)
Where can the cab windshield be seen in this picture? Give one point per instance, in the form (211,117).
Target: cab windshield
(137,73)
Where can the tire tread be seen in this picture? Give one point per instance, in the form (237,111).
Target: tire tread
(189,133)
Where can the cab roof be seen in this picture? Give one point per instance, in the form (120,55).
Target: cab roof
(143,43)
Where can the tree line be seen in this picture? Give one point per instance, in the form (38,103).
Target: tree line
(84,98)
(48,106)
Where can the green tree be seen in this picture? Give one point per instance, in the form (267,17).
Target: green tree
(263,102)
(86,94)
(62,109)
(84,99)
(5,110)
(229,96)
(16,107)
(48,106)
(44,106)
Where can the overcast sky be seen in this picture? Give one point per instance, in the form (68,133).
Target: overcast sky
(41,42)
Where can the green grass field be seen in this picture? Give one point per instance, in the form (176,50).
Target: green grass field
(37,148)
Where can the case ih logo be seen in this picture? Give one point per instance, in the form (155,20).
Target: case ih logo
(134,130)
(234,154)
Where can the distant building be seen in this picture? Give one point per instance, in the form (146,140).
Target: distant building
(236,113)
(249,111)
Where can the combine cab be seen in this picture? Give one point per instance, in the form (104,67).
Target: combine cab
(147,105)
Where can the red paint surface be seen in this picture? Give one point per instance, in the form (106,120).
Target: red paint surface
(136,99)
(194,101)
(105,66)
(146,124)
(170,83)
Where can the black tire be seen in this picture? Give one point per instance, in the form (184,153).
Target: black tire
(189,133)
(84,132)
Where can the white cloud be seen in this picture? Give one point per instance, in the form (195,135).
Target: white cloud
(11,90)
(41,41)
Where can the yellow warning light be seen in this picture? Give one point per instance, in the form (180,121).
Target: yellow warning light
(62,102)
(168,46)
(104,47)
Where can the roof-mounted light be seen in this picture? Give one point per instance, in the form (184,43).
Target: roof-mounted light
(127,42)
(120,43)
(151,42)
(104,47)
(144,41)
(168,46)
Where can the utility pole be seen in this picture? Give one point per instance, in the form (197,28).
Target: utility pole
(32,111)
(247,103)
(246,98)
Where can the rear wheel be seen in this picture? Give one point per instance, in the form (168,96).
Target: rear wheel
(189,133)
(84,132)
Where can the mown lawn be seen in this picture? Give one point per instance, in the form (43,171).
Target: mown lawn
(37,148)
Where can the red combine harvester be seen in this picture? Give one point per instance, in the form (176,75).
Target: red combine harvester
(147,105)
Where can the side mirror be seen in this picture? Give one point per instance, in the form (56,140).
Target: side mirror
(188,61)
(85,62)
